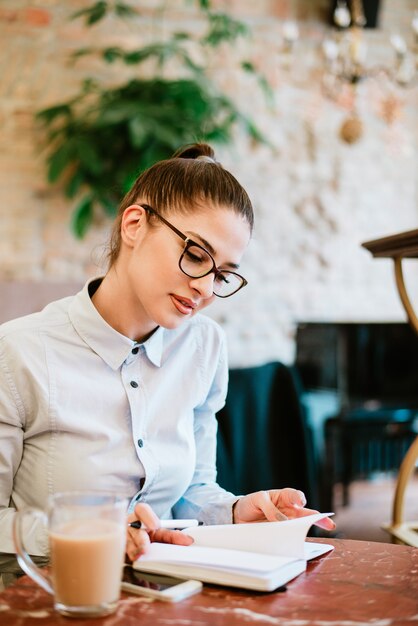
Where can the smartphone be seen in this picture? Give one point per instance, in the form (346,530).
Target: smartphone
(157,586)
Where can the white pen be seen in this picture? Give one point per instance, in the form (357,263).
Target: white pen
(177,524)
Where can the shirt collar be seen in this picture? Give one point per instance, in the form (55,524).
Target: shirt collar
(108,343)
(154,346)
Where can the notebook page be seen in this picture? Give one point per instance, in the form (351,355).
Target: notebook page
(213,558)
(285,538)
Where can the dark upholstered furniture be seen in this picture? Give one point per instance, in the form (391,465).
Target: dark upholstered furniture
(263,439)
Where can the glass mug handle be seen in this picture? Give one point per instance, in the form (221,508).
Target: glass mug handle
(23,557)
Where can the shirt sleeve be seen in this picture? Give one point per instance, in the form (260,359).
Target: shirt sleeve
(11,450)
(204,498)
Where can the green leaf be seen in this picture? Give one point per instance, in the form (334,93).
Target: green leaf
(262,81)
(82,217)
(74,184)
(110,206)
(60,160)
(247,66)
(82,52)
(51,113)
(136,56)
(125,10)
(266,89)
(190,64)
(204,4)
(167,135)
(111,54)
(160,51)
(118,110)
(222,28)
(138,131)
(88,85)
(87,153)
(129,180)
(93,14)
(180,36)
(253,131)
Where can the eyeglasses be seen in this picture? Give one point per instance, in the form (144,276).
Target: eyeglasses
(195,261)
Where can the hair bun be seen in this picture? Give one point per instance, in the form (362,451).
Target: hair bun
(201,151)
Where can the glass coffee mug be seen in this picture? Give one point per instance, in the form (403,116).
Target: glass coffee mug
(87,538)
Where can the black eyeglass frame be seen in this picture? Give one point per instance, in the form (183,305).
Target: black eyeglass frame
(189,243)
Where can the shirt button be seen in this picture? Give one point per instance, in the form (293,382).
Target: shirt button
(135,350)
(140,443)
(133,384)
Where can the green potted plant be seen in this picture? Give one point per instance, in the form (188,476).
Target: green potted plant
(100,139)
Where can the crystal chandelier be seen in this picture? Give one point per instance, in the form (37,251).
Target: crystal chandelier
(345,67)
(345,51)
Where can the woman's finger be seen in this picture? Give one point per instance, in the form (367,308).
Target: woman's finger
(257,507)
(270,510)
(325,522)
(288,497)
(164,535)
(137,543)
(144,513)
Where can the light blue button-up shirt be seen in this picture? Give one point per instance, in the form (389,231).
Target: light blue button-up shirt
(84,407)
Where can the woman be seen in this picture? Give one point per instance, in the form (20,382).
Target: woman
(117,387)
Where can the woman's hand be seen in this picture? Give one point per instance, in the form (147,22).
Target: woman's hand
(138,539)
(275,505)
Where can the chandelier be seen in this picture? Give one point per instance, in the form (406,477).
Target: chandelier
(345,60)
(345,51)
(345,65)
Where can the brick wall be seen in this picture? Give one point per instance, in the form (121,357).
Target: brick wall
(316,198)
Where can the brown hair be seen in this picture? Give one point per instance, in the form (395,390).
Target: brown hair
(192,176)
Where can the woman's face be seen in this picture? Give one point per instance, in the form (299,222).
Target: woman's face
(161,294)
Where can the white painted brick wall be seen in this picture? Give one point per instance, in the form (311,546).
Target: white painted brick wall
(316,199)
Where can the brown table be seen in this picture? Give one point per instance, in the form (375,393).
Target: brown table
(358,583)
(399,247)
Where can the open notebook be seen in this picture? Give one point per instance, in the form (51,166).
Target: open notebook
(260,556)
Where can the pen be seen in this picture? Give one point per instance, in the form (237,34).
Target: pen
(177,524)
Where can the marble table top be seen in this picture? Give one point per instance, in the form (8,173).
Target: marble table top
(360,583)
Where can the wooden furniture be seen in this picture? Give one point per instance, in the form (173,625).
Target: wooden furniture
(398,247)
(358,583)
